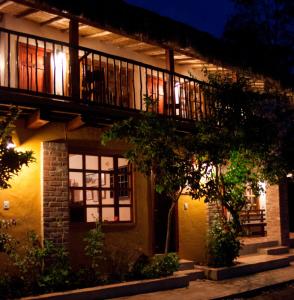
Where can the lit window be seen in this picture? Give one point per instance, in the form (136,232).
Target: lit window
(100,188)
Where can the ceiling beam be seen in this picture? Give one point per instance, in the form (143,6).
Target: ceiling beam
(75,123)
(191,61)
(52,20)
(35,121)
(5,3)
(98,34)
(27,12)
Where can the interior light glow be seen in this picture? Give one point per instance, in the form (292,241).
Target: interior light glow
(9,143)
(60,71)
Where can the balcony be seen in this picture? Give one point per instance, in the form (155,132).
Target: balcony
(43,73)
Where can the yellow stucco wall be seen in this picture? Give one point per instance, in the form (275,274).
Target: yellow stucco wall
(25,196)
(192,228)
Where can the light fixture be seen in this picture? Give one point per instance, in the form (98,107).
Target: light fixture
(9,142)
(290,175)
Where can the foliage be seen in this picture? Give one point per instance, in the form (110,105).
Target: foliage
(94,247)
(223,245)
(120,260)
(37,268)
(244,139)
(156,266)
(11,160)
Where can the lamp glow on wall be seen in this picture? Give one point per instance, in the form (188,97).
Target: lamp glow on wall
(9,143)
(177,95)
(59,67)
(262,196)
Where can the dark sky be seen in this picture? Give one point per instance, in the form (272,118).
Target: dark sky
(206,15)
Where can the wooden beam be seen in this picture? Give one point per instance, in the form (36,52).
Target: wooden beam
(170,62)
(5,3)
(35,121)
(74,59)
(81,26)
(52,20)
(98,34)
(191,61)
(27,12)
(75,123)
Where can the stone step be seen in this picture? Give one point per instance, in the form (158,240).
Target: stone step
(274,250)
(186,264)
(246,265)
(192,274)
(291,255)
(252,248)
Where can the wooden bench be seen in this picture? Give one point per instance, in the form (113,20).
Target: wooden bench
(253,222)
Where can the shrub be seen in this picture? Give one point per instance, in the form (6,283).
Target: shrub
(157,266)
(94,248)
(121,260)
(223,243)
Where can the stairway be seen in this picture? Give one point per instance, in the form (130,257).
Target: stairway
(187,267)
(259,257)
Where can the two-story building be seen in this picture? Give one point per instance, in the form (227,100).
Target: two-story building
(73,71)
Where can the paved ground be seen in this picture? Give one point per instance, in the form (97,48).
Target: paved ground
(205,289)
(285,293)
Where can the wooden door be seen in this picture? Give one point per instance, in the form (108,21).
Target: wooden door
(34,68)
(157,90)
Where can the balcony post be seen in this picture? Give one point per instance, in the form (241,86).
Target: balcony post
(170,65)
(74,59)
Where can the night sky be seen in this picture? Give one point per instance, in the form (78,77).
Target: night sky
(205,15)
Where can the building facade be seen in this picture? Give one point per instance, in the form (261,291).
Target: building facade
(74,73)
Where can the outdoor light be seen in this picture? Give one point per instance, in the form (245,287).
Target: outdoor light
(9,143)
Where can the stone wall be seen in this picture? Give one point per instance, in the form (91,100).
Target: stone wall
(55,193)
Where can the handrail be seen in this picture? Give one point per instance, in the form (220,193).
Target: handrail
(41,65)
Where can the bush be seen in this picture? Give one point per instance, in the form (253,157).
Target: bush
(157,266)
(223,243)
(94,248)
(121,260)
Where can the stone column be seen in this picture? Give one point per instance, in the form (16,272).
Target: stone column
(55,193)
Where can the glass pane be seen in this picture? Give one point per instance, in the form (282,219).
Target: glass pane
(125,214)
(92,214)
(76,196)
(76,179)
(91,162)
(106,163)
(122,162)
(92,180)
(107,197)
(92,197)
(76,214)
(75,161)
(124,199)
(107,180)
(108,214)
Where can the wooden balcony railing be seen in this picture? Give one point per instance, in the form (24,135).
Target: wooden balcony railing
(29,63)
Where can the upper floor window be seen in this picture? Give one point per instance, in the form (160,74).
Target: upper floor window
(100,188)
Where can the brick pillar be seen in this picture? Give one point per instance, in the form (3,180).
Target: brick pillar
(55,193)
(212,210)
(277,214)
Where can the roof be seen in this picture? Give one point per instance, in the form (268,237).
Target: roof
(123,18)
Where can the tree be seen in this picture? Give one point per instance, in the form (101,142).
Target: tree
(11,160)
(262,31)
(236,146)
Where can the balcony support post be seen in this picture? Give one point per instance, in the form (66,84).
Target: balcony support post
(170,65)
(74,59)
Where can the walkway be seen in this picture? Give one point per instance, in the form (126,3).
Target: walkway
(206,289)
